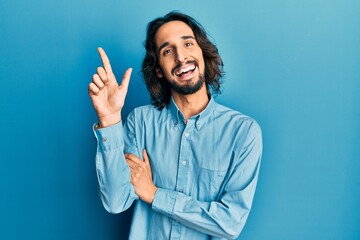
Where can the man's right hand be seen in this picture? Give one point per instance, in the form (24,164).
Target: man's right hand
(106,94)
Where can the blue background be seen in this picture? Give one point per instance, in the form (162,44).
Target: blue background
(294,66)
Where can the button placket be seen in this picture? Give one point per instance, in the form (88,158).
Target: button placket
(183,164)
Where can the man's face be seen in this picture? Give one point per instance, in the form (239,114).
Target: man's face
(180,57)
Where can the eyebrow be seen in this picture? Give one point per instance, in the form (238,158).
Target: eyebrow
(165,44)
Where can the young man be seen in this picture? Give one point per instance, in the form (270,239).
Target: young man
(200,159)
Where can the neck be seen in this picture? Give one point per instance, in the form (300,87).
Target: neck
(192,104)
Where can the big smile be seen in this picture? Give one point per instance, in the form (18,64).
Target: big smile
(185,71)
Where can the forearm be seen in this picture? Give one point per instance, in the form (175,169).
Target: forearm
(116,192)
(224,218)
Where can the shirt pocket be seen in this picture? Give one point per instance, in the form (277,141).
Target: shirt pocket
(209,184)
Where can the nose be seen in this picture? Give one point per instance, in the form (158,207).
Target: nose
(180,55)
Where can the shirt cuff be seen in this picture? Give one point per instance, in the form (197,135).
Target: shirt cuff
(164,201)
(111,137)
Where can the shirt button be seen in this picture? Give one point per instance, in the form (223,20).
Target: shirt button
(186,134)
(198,125)
(183,163)
(181,190)
(104,139)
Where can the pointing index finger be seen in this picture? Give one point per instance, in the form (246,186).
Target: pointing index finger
(105,60)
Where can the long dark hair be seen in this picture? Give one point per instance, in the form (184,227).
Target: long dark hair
(159,88)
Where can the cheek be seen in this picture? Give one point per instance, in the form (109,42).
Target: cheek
(202,64)
(165,66)
(200,58)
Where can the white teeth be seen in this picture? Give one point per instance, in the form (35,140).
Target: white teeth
(185,69)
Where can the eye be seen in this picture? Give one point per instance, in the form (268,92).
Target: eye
(167,51)
(188,44)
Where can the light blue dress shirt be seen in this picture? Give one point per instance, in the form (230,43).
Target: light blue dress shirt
(206,171)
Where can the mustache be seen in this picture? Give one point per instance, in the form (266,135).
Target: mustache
(180,65)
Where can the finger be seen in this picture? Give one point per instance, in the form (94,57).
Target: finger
(132,179)
(93,89)
(102,74)
(133,158)
(97,81)
(134,176)
(105,60)
(132,164)
(126,78)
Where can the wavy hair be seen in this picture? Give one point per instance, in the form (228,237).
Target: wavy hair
(159,88)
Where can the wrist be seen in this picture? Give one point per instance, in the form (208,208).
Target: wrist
(109,120)
(152,195)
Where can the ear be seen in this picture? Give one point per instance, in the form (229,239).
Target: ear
(159,73)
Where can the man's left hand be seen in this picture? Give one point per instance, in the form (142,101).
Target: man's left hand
(141,176)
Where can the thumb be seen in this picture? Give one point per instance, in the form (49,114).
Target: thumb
(126,79)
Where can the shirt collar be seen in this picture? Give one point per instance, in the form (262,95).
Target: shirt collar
(200,119)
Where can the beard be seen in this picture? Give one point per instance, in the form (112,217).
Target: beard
(188,88)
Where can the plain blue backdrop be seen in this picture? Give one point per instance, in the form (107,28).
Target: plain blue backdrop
(292,65)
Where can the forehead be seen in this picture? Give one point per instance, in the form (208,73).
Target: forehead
(172,31)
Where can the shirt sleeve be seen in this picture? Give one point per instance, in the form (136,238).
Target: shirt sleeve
(226,217)
(116,192)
